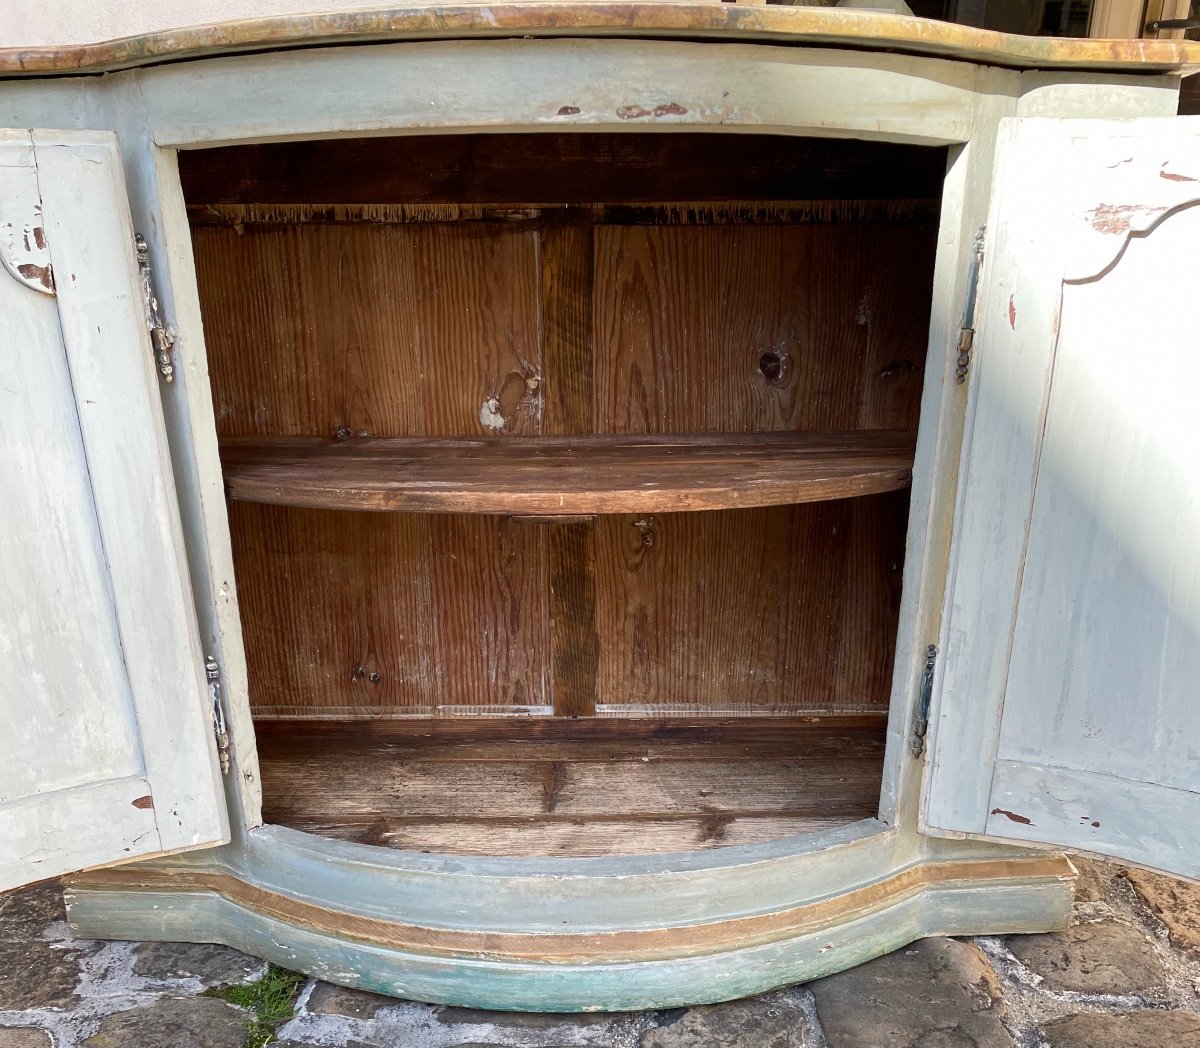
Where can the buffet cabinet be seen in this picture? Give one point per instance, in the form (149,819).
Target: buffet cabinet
(564,507)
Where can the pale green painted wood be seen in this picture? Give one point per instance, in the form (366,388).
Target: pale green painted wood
(524,986)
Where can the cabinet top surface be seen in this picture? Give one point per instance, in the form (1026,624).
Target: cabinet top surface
(813,26)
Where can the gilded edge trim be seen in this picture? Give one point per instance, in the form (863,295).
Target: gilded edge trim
(592,947)
(772,24)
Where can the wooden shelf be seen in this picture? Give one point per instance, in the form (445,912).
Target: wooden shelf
(566,476)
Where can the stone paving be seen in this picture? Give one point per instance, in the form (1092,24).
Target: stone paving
(1125,975)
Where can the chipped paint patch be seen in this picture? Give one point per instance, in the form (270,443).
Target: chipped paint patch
(1171,176)
(1012,312)
(33,274)
(23,249)
(637,112)
(1013,816)
(490,417)
(569,111)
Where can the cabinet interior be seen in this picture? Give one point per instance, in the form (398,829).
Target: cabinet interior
(568,476)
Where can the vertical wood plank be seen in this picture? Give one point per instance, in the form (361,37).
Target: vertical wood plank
(567,275)
(566,320)
(575,646)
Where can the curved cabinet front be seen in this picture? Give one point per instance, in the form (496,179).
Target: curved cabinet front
(568,935)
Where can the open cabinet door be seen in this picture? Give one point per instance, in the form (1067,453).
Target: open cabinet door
(106,744)
(1068,706)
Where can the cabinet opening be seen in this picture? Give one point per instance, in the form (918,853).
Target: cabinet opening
(567,477)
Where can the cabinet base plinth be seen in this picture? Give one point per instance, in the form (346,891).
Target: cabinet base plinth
(455,932)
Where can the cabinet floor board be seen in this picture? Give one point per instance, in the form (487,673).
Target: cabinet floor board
(660,787)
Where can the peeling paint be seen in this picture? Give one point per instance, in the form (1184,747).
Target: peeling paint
(490,417)
(1171,176)
(35,274)
(1113,218)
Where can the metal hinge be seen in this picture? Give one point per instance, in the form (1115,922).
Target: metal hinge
(966,333)
(921,718)
(212,671)
(162,336)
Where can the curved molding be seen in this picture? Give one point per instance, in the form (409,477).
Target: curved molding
(23,250)
(850,911)
(1118,225)
(773,24)
(587,947)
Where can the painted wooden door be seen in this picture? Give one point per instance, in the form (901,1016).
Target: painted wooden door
(1068,706)
(106,745)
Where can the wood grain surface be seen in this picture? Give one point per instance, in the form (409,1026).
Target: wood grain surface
(372,330)
(393,611)
(749,328)
(567,476)
(674,787)
(663,295)
(753,611)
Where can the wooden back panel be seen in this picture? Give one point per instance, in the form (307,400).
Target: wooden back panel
(564,321)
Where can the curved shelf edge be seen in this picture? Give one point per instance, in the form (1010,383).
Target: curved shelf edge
(550,477)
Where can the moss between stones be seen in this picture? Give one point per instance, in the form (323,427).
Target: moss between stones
(272,999)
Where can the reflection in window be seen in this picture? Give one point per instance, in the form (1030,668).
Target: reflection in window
(1027,17)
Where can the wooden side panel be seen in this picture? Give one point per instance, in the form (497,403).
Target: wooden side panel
(764,327)
(372,330)
(361,612)
(766,610)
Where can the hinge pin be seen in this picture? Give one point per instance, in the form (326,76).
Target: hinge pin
(966,333)
(162,336)
(921,718)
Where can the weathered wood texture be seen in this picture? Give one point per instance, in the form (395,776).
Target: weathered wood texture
(780,24)
(391,611)
(554,326)
(769,610)
(567,476)
(751,328)
(668,787)
(372,330)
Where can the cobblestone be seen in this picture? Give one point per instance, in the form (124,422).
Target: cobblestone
(1101,957)
(935,992)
